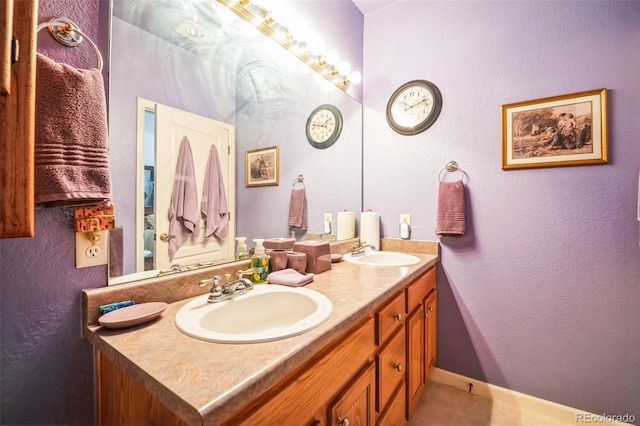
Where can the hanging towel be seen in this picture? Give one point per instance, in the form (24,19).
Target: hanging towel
(71,137)
(289,277)
(450,221)
(184,217)
(298,208)
(214,198)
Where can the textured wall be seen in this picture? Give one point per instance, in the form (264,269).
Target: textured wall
(45,365)
(541,295)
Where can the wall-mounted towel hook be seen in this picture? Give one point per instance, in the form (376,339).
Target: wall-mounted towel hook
(451,167)
(299,179)
(67,33)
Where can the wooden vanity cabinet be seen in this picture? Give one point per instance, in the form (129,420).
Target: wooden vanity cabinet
(354,406)
(121,400)
(374,374)
(341,375)
(391,353)
(421,335)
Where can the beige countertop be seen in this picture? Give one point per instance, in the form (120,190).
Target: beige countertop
(206,382)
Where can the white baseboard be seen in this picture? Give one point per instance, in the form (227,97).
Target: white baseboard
(561,413)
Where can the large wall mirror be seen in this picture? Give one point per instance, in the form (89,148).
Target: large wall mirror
(198,57)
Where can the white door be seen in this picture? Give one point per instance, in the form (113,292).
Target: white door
(171,126)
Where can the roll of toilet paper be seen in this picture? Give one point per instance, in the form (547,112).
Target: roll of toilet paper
(370,228)
(346,225)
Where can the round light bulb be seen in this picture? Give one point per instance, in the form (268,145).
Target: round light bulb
(344,68)
(355,77)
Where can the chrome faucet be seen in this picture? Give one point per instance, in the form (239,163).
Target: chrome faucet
(358,249)
(228,291)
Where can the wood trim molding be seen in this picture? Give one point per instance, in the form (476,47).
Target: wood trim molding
(17,129)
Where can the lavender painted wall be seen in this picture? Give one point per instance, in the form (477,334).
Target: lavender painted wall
(541,295)
(45,364)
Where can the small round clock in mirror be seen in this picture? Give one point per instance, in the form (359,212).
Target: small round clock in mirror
(414,107)
(324,126)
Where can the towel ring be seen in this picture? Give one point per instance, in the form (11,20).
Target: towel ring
(451,167)
(299,179)
(67,33)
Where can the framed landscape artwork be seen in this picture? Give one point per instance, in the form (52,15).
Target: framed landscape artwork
(563,130)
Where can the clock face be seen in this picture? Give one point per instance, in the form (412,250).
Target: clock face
(414,107)
(324,126)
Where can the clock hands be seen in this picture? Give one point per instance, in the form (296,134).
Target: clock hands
(408,107)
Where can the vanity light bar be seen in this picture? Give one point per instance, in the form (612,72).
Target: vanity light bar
(262,20)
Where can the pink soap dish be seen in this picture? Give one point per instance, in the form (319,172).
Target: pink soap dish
(336,257)
(132,315)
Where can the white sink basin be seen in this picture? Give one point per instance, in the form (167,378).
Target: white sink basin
(383,258)
(268,312)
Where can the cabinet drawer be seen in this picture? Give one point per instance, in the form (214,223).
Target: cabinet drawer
(391,366)
(395,414)
(390,318)
(418,290)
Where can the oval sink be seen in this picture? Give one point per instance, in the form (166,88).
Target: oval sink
(383,258)
(268,312)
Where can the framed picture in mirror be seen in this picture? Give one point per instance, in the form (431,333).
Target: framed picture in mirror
(263,167)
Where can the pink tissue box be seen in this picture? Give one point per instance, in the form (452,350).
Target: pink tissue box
(318,255)
(279,243)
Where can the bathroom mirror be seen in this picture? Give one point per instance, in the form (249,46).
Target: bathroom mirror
(199,57)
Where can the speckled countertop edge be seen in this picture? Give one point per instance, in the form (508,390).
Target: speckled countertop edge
(208,382)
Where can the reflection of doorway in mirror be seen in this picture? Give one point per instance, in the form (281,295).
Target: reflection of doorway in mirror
(160,157)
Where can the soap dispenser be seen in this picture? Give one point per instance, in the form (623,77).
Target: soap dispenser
(259,263)
(242,252)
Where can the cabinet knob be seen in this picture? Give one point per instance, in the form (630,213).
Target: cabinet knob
(398,366)
(397,316)
(430,308)
(343,421)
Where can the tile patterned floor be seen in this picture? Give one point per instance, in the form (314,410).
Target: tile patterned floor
(443,405)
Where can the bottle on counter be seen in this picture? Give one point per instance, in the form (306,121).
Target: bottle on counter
(259,263)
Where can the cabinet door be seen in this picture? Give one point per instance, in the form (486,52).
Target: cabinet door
(354,406)
(17,118)
(415,357)
(431,332)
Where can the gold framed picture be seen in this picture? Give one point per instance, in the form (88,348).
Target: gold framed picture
(565,130)
(263,167)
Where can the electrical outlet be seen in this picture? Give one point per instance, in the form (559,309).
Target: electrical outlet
(91,249)
(405,226)
(326,224)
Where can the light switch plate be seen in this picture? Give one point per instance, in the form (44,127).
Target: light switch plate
(88,254)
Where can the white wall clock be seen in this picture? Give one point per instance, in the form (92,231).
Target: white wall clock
(324,126)
(414,107)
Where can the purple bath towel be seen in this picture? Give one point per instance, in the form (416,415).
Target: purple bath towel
(184,216)
(214,198)
(289,277)
(450,220)
(71,137)
(298,209)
